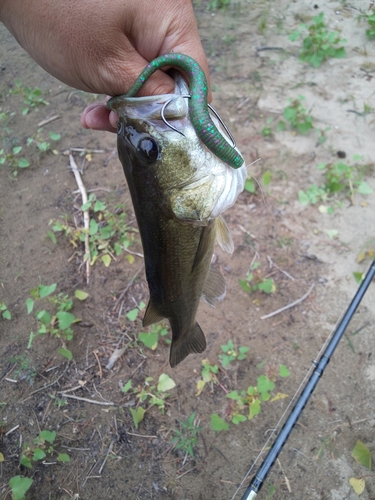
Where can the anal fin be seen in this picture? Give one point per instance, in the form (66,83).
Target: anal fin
(151,315)
(193,342)
(214,287)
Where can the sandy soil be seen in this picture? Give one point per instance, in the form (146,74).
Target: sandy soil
(254,72)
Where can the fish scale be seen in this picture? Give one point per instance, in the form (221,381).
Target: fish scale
(199,115)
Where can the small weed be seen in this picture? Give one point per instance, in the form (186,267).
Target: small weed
(19,486)
(43,145)
(187,437)
(254,281)
(218,4)
(59,322)
(339,178)
(109,235)
(13,159)
(151,339)
(297,116)
(209,376)
(370,18)
(4,311)
(327,444)
(24,369)
(153,395)
(320,44)
(250,185)
(230,353)
(32,97)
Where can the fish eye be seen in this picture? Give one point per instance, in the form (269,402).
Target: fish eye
(149,149)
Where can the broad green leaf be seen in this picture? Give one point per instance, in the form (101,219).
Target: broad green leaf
(54,136)
(254,408)
(25,461)
(127,386)
(106,259)
(264,384)
(99,206)
(38,454)
(137,415)
(364,188)
(23,163)
(66,353)
(250,185)
(165,383)
(130,258)
(65,319)
(48,436)
(267,286)
(284,372)
(63,457)
(303,198)
(150,340)
(361,454)
(81,295)
(44,291)
(17,149)
(19,486)
(358,277)
(132,314)
(266,178)
(29,305)
(218,424)
(358,485)
(93,227)
(52,237)
(233,395)
(6,314)
(238,418)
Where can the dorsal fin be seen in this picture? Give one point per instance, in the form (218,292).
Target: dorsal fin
(214,287)
(151,315)
(223,235)
(193,342)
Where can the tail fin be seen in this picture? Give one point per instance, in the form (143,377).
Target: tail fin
(193,342)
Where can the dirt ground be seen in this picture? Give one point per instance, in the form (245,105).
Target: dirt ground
(255,70)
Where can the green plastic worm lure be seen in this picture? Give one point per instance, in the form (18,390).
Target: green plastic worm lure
(198,106)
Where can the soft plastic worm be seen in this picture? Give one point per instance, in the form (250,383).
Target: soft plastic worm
(198,108)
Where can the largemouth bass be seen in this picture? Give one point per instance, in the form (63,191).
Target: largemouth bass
(179,190)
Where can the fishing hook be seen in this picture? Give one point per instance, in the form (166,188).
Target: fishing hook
(187,96)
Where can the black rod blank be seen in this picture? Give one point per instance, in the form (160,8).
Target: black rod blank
(259,478)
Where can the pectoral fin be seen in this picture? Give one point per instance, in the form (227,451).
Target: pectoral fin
(223,235)
(151,315)
(214,287)
(193,342)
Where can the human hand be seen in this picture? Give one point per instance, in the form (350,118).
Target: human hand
(102,46)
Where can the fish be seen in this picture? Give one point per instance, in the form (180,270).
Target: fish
(179,190)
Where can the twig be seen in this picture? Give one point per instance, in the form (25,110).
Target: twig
(48,120)
(48,385)
(100,366)
(140,435)
(259,49)
(86,217)
(108,452)
(102,403)
(285,478)
(123,293)
(272,263)
(289,305)
(187,472)
(11,430)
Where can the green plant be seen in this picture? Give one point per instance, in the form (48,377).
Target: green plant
(320,44)
(362,456)
(254,281)
(187,437)
(218,4)
(298,117)
(42,144)
(249,401)
(230,353)
(4,311)
(267,129)
(370,18)
(13,160)
(57,323)
(32,97)
(24,368)
(339,178)
(208,374)
(151,339)
(109,235)
(153,395)
(42,448)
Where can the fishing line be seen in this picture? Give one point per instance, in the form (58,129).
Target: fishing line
(320,362)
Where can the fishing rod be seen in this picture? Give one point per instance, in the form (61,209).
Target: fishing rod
(260,476)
